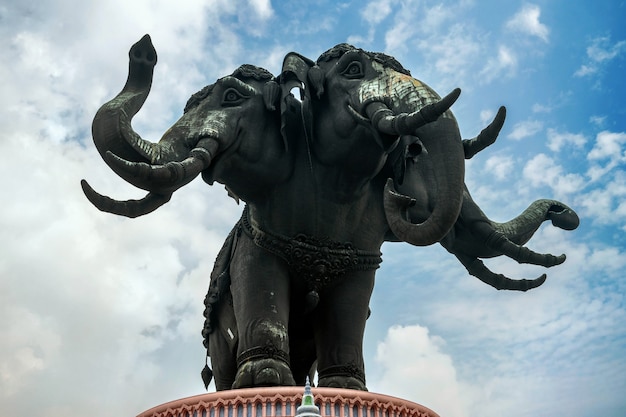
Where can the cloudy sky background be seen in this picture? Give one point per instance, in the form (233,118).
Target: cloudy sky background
(101,315)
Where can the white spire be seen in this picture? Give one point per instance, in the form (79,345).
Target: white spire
(308,407)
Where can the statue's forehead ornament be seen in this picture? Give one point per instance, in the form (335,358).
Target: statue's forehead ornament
(402,89)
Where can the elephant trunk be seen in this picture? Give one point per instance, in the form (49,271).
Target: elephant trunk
(132,157)
(112,132)
(417,110)
(520,229)
(385,121)
(443,143)
(111,128)
(164,180)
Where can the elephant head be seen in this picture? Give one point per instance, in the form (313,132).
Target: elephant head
(229,132)
(474,235)
(370,99)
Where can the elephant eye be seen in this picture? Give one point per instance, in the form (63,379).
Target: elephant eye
(353,70)
(232,97)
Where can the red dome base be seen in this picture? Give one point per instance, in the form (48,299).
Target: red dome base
(283,401)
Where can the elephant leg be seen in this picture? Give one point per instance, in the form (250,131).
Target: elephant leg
(223,345)
(260,290)
(477,268)
(303,364)
(339,328)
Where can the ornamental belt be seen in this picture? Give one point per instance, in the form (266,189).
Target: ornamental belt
(318,261)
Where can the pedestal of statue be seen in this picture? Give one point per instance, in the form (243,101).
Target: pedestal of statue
(284,402)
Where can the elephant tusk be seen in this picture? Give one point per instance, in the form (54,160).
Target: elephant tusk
(486,137)
(128,208)
(389,123)
(166,177)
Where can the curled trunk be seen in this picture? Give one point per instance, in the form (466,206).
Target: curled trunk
(147,165)
(439,133)
(111,128)
(520,229)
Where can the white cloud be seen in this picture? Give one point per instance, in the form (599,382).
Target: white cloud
(608,152)
(263,8)
(557,140)
(377,10)
(600,50)
(541,108)
(508,347)
(500,167)
(486,116)
(452,57)
(585,70)
(608,258)
(526,21)
(415,366)
(449,45)
(605,205)
(609,145)
(598,120)
(26,349)
(542,170)
(91,299)
(599,53)
(525,129)
(504,64)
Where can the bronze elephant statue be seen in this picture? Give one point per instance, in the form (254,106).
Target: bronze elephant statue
(292,284)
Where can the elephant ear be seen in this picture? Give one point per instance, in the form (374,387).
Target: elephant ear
(316,81)
(271,94)
(408,149)
(294,74)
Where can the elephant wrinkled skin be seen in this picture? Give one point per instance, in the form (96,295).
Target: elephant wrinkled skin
(326,180)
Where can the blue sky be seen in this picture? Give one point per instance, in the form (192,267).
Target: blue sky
(101,315)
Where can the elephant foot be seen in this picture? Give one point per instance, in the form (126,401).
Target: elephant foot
(347,382)
(348,376)
(263,373)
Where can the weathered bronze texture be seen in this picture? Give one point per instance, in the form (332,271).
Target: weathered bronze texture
(367,154)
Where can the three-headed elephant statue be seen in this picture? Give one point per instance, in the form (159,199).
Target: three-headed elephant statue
(291,287)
